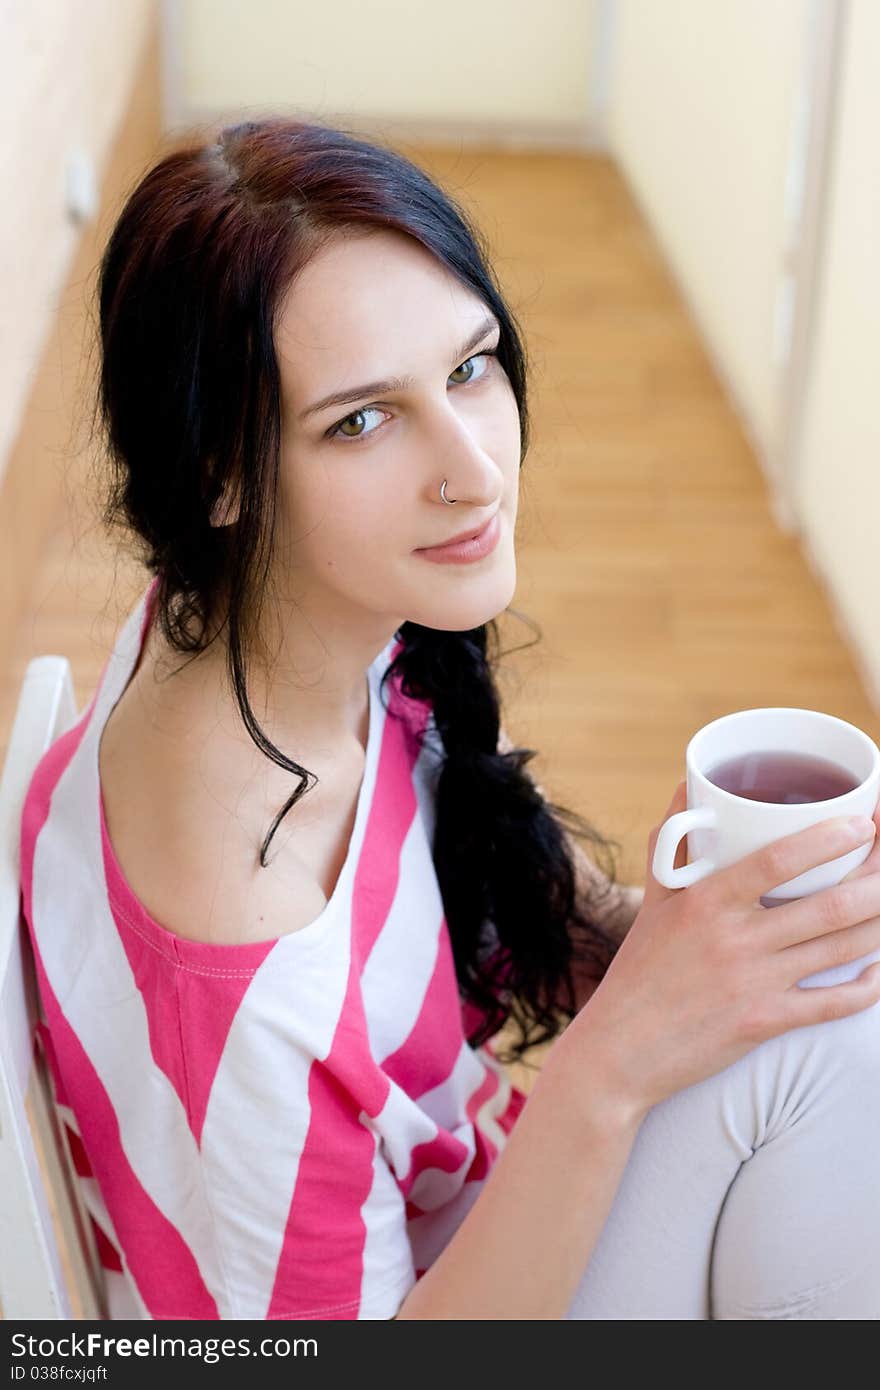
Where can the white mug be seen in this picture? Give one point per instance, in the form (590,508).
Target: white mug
(722,827)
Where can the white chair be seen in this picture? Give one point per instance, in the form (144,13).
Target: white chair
(49,1263)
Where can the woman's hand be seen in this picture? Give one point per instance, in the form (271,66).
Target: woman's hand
(706,973)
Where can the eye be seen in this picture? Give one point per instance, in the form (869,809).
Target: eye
(335,430)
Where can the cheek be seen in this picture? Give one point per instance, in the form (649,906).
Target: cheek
(327,504)
(352,520)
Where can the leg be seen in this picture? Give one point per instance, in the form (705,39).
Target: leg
(755,1193)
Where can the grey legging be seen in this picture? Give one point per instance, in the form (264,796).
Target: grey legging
(756,1192)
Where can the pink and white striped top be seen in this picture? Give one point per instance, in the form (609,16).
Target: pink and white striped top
(279,1129)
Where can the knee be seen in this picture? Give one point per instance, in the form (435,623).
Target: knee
(828,1071)
(853,1040)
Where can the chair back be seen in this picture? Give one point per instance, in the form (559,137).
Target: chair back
(49,1262)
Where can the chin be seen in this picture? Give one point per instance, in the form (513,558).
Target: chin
(463,606)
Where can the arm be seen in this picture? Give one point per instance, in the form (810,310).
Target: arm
(522,1248)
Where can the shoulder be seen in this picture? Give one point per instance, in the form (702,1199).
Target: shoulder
(188,800)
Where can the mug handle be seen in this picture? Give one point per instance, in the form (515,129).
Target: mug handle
(671,832)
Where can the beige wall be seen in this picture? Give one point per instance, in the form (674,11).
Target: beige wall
(66,73)
(48,314)
(701,122)
(838,476)
(507,65)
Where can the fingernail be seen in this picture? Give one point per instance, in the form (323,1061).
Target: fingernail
(863,828)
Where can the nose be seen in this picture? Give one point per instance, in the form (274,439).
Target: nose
(456,455)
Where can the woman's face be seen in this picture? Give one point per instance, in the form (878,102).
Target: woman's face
(360,479)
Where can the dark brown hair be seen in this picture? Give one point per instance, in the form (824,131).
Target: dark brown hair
(190,285)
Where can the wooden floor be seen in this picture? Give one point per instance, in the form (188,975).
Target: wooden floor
(648,555)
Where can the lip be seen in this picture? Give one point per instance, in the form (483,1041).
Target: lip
(473,547)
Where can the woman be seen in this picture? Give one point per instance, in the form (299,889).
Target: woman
(269,1013)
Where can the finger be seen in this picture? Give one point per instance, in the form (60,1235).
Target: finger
(820,914)
(822,1003)
(827,952)
(872,864)
(758,873)
(654,891)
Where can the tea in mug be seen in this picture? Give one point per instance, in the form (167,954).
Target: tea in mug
(788,779)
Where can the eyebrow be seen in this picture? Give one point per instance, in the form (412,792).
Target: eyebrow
(396,383)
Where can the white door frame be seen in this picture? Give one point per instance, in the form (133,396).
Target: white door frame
(807,195)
